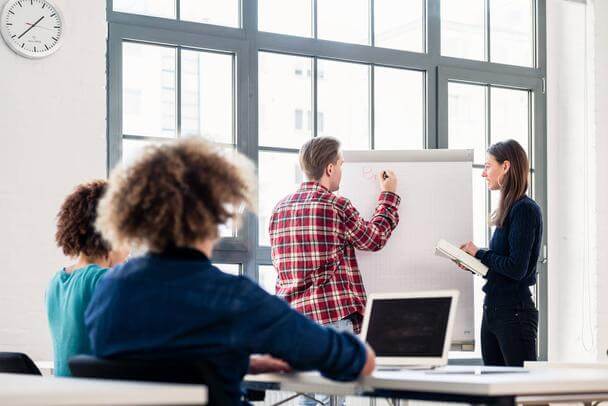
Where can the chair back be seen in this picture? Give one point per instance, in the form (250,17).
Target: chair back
(17,363)
(162,370)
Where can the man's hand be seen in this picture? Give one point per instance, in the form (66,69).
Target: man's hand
(259,364)
(370,362)
(388,181)
(469,248)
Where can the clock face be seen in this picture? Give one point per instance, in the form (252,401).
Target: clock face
(32,28)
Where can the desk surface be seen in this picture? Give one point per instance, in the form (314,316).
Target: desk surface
(533,382)
(36,390)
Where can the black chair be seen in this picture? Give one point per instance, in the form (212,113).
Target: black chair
(162,370)
(17,363)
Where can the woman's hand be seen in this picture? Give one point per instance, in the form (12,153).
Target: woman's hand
(469,248)
(259,364)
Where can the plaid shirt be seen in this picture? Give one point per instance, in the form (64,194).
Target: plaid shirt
(313,234)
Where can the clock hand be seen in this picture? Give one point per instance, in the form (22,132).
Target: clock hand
(40,26)
(32,26)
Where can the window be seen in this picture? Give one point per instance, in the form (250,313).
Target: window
(468,114)
(500,31)
(344,99)
(334,24)
(462,29)
(343,96)
(293,17)
(150,96)
(299,118)
(216,12)
(268,278)
(399,109)
(374,74)
(232,269)
(155,8)
(512,32)
(478,116)
(397,24)
(280,93)
(153,93)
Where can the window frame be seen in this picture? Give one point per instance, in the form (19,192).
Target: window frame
(245,43)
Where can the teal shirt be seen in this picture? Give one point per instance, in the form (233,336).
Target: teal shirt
(67,297)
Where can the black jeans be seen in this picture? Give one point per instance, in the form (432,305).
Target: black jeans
(509,335)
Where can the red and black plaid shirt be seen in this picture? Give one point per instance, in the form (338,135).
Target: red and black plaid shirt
(313,234)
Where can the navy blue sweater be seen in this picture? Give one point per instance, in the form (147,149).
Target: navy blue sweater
(179,305)
(513,254)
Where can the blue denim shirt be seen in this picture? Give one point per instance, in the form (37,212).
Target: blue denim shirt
(177,304)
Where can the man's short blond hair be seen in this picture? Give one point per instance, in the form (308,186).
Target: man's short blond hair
(316,154)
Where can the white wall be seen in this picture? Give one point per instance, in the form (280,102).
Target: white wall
(577,50)
(53,136)
(601,127)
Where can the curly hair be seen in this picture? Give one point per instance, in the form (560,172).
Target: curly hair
(175,194)
(76,233)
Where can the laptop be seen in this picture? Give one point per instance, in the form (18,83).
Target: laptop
(410,330)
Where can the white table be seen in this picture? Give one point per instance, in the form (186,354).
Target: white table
(458,384)
(34,390)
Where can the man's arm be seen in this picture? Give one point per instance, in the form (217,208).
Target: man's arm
(372,235)
(270,326)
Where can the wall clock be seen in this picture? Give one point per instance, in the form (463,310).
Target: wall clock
(32,28)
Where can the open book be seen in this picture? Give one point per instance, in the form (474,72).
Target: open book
(450,251)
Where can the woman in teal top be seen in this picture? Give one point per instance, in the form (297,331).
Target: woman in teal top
(70,290)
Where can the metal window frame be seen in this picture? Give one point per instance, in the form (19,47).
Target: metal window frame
(246,41)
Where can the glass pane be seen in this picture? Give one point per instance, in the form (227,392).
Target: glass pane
(399,109)
(148,90)
(399,24)
(131,149)
(463,29)
(343,20)
(279,175)
(285,92)
(512,32)
(510,117)
(467,119)
(156,8)
(293,17)
(208,96)
(267,276)
(218,12)
(232,269)
(343,102)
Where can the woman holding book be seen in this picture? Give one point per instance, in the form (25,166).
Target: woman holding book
(510,320)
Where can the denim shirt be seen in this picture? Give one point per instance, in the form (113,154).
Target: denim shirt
(178,305)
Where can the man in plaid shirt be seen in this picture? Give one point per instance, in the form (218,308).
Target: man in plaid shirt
(314,233)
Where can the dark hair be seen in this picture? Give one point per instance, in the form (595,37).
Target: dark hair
(316,154)
(76,232)
(515,181)
(175,195)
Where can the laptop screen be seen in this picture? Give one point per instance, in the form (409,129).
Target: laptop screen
(410,327)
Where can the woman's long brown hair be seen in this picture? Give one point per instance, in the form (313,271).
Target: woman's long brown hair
(515,182)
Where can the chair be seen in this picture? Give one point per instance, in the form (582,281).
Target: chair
(17,363)
(162,370)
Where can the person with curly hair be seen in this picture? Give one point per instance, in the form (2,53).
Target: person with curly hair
(173,303)
(70,290)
